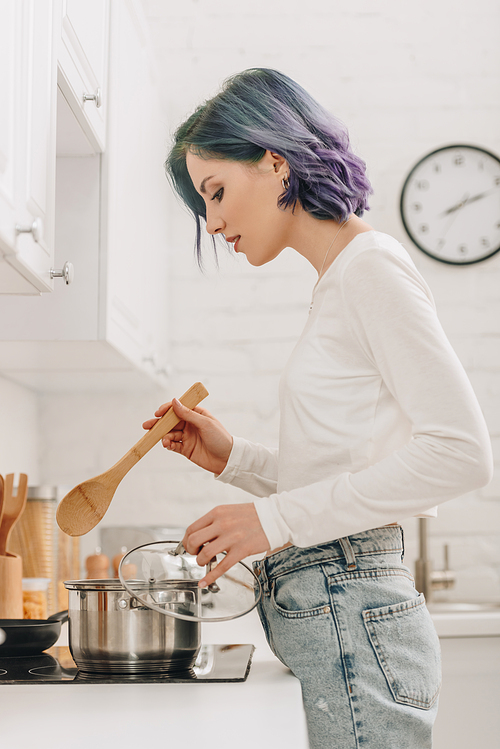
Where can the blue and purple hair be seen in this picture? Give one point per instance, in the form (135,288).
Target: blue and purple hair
(262,109)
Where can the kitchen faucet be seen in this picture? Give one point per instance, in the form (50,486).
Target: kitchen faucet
(428,580)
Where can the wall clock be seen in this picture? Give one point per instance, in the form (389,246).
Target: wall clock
(450,204)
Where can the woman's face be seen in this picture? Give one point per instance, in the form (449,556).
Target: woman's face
(241,203)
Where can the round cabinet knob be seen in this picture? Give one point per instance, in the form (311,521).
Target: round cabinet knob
(67,272)
(94,97)
(36,229)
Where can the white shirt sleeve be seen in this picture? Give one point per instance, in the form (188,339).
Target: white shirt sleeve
(394,321)
(251,467)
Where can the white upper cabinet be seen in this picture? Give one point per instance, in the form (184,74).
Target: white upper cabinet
(135,222)
(27,145)
(108,329)
(82,64)
(10,53)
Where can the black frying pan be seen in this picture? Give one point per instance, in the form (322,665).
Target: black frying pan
(30,636)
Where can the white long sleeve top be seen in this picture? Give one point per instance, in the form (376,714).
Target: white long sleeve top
(378,420)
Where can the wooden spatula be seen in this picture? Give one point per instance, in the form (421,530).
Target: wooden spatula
(87,503)
(13,507)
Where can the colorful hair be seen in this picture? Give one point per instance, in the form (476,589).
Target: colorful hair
(262,109)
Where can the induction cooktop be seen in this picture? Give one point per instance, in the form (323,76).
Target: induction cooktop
(215,663)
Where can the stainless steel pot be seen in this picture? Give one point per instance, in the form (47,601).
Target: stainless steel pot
(112,632)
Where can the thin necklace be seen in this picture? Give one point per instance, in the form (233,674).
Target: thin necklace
(331,245)
(324,260)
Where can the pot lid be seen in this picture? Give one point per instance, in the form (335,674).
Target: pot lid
(150,572)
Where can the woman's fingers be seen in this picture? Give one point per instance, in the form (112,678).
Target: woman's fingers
(173,440)
(149,423)
(220,568)
(199,524)
(175,436)
(180,410)
(234,529)
(198,436)
(163,409)
(198,534)
(193,416)
(158,413)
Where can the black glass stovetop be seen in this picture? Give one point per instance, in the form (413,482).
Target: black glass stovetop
(56,666)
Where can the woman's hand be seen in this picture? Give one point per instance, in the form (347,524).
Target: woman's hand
(235,529)
(198,436)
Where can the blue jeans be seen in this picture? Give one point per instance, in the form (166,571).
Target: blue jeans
(346,619)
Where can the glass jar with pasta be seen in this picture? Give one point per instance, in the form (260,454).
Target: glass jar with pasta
(35,597)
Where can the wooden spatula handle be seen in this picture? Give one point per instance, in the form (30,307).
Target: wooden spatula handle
(163,426)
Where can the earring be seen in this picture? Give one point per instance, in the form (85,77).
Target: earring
(285,182)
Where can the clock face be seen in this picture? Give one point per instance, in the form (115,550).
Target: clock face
(450,204)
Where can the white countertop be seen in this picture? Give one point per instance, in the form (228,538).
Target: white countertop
(265,710)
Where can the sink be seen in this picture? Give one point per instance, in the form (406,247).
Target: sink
(447,607)
(459,619)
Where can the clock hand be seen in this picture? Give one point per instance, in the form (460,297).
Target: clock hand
(466,200)
(457,206)
(453,210)
(480,195)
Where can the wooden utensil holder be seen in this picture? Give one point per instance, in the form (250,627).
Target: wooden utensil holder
(11,586)
(34,539)
(46,551)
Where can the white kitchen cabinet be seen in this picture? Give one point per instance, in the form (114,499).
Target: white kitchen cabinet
(27,145)
(135,219)
(10,52)
(108,328)
(468,704)
(82,63)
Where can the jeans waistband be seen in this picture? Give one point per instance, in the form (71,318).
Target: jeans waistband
(375,541)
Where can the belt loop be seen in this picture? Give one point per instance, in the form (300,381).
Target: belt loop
(259,568)
(350,557)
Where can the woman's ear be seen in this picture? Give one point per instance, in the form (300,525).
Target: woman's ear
(274,162)
(280,164)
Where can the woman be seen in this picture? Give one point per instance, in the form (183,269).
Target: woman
(378,419)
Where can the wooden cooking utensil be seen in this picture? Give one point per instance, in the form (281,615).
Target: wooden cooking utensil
(11,586)
(13,507)
(85,505)
(11,565)
(1,499)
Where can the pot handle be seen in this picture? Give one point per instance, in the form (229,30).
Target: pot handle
(61,616)
(213,587)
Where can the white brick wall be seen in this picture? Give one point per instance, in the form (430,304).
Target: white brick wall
(406,78)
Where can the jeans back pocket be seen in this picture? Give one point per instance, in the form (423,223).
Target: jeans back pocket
(407,648)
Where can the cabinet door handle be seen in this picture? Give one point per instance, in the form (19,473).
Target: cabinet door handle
(94,97)
(67,272)
(36,229)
